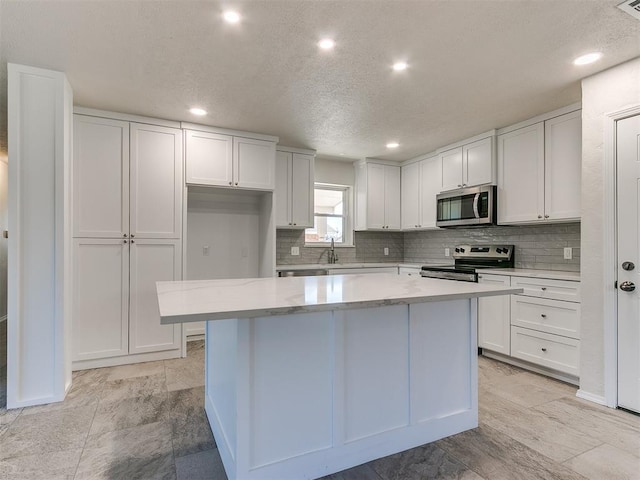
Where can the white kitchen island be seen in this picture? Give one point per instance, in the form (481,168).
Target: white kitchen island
(307,376)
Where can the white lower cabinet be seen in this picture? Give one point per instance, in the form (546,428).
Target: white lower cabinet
(151,261)
(551,351)
(115,307)
(100,298)
(493,316)
(541,326)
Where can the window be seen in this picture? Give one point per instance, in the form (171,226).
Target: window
(331,216)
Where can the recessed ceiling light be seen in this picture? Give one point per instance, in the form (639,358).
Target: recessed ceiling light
(198,111)
(326,44)
(231,17)
(588,58)
(393,145)
(399,66)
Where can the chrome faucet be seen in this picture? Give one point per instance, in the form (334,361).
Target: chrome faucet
(333,258)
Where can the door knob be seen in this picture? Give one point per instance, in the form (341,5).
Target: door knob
(627,286)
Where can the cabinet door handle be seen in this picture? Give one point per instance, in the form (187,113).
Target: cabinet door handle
(546,216)
(236,184)
(543,288)
(125,235)
(539,216)
(230,183)
(132,235)
(543,349)
(125,241)
(133,241)
(543,315)
(295,223)
(459,185)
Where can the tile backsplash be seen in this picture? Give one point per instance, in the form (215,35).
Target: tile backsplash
(540,247)
(537,246)
(369,248)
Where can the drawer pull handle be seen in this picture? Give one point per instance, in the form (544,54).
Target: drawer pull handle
(544,349)
(543,315)
(543,288)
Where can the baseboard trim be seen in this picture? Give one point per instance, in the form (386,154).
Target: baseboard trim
(592,397)
(125,360)
(547,372)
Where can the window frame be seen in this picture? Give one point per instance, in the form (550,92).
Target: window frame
(347,215)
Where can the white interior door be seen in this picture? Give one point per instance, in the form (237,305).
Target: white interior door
(628,150)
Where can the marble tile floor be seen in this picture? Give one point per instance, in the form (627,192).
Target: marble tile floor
(147,421)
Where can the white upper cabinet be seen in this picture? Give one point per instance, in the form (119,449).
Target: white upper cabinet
(420,185)
(294,189)
(100,177)
(470,164)
(156,181)
(229,161)
(429,188)
(410,196)
(377,196)
(521,174)
(539,171)
(127,179)
(209,158)
(562,166)
(254,163)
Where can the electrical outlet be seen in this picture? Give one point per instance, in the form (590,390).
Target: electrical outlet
(295,250)
(447,253)
(386,250)
(205,250)
(568,253)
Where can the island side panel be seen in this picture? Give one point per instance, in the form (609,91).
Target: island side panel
(221,377)
(444,366)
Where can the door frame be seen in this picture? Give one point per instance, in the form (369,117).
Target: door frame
(610,254)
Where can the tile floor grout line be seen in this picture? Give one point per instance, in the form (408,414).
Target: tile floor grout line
(86,438)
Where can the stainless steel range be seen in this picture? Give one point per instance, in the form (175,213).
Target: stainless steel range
(468,258)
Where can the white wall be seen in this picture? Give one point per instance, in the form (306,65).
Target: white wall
(332,171)
(606,92)
(4,173)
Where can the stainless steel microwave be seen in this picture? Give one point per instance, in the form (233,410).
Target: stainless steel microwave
(467,207)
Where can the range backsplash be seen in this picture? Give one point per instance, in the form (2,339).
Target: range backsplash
(538,247)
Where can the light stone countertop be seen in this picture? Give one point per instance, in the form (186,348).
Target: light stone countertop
(529,272)
(197,300)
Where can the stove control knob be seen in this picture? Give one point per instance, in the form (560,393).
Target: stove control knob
(462,250)
(498,250)
(457,250)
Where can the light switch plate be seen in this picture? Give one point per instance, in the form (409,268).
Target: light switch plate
(295,250)
(447,252)
(205,250)
(568,253)
(386,250)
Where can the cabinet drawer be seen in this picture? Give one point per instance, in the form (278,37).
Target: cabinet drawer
(551,316)
(551,351)
(546,288)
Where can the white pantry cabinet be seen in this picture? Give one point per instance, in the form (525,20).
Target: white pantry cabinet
(420,185)
(377,196)
(494,316)
(127,224)
(539,171)
(469,164)
(294,188)
(229,161)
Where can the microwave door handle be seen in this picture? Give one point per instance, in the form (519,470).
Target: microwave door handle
(476,198)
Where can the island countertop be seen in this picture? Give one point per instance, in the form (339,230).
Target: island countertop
(197,300)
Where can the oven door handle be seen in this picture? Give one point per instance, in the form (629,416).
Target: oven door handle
(476,198)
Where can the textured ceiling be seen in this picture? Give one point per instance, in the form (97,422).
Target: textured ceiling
(474,65)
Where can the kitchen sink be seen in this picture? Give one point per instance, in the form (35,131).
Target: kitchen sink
(312,272)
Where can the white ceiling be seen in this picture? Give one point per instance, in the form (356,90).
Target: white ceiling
(474,64)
